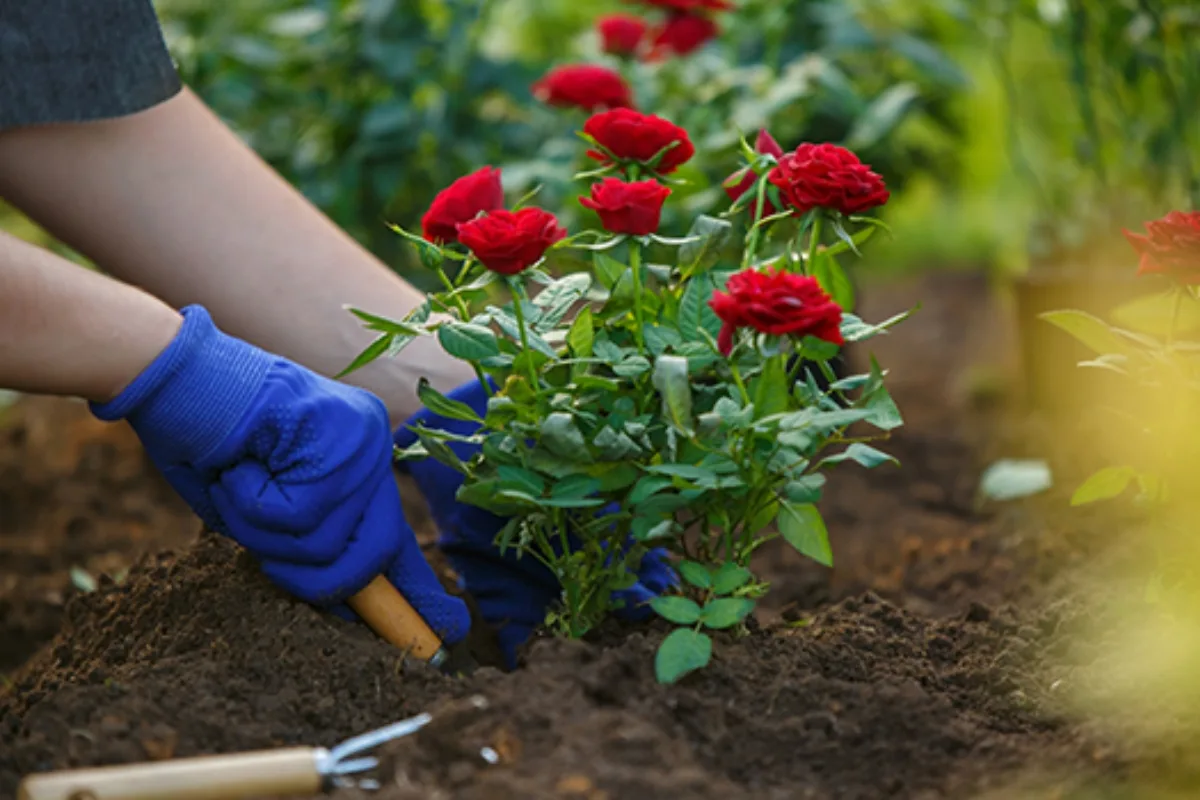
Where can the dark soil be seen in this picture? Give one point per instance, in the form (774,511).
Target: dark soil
(917,668)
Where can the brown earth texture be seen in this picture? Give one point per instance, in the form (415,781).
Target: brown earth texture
(928,663)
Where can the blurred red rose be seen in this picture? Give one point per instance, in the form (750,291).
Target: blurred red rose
(776,303)
(687,5)
(585,86)
(1171,246)
(740,182)
(681,34)
(460,202)
(510,242)
(632,136)
(633,208)
(827,176)
(621,34)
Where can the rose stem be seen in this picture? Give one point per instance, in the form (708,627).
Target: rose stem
(465,313)
(814,241)
(635,265)
(518,293)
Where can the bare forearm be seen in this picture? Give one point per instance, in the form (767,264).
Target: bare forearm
(68,331)
(172,201)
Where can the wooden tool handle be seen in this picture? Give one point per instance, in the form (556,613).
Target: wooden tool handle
(383,608)
(259,774)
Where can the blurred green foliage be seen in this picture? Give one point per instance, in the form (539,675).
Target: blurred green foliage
(1097,101)
(371,106)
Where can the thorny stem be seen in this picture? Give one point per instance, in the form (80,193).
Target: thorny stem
(465,315)
(519,312)
(635,265)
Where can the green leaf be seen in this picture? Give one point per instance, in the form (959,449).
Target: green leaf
(862,454)
(632,367)
(696,574)
(430,254)
(770,391)
(614,445)
(733,414)
(833,279)
(804,529)
(646,486)
(582,334)
(683,651)
(688,472)
(729,578)
(647,529)
(608,270)
(372,351)
(695,314)
(575,486)
(374,322)
(671,380)
(1156,315)
(885,415)
(706,239)
(725,612)
(467,341)
(855,330)
(562,437)
(521,480)
(1104,485)
(443,406)
(508,324)
(1091,331)
(806,489)
(557,298)
(438,449)
(679,610)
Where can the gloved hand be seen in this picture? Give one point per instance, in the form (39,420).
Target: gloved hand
(295,467)
(513,594)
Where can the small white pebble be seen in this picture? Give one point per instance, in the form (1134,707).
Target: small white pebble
(490,755)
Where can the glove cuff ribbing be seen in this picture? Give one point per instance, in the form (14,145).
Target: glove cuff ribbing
(195,392)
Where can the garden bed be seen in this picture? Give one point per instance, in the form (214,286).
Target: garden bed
(914,669)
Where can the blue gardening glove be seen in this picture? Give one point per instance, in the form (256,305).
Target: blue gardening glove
(513,593)
(295,467)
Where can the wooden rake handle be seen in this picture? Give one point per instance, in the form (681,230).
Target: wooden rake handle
(266,773)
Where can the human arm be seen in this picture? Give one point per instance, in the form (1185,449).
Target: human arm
(171,200)
(69,331)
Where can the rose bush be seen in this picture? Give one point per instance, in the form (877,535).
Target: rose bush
(639,405)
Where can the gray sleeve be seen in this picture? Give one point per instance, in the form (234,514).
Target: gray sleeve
(80,60)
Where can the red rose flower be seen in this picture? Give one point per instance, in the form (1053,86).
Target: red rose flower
(633,208)
(776,303)
(1171,247)
(621,34)
(688,5)
(741,181)
(827,176)
(585,86)
(460,202)
(681,34)
(633,136)
(510,242)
